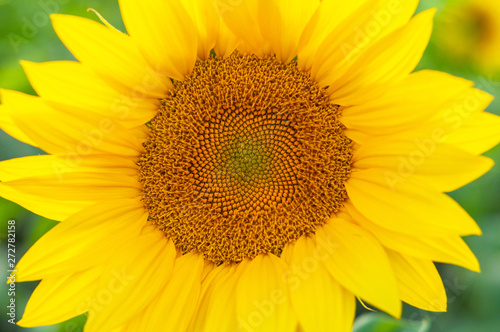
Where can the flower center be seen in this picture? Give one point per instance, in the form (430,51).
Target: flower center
(244,156)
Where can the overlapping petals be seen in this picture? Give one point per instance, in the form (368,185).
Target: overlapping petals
(416,136)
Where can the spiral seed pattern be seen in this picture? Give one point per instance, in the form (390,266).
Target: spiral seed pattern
(244,156)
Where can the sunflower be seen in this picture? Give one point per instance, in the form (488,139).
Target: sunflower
(469,31)
(248,166)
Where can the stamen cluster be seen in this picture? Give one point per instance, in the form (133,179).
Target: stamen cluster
(245,155)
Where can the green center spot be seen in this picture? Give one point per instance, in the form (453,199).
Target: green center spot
(247,160)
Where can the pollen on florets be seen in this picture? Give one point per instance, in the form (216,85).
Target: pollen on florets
(244,156)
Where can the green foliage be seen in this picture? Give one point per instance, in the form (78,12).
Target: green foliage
(376,322)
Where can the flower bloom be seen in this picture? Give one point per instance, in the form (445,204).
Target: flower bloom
(244,165)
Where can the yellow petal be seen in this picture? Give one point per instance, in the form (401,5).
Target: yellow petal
(217,302)
(23,167)
(369,21)
(282,23)
(213,33)
(442,166)
(455,114)
(173,308)
(208,267)
(83,240)
(242,19)
(207,23)
(412,101)
(359,263)
(226,42)
(111,54)
(59,195)
(388,61)
(323,49)
(419,283)
(46,207)
(320,26)
(261,301)
(60,298)
(478,135)
(72,83)
(358,136)
(391,15)
(87,187)
(143,267)
(446,249)
(320,302)
(133,324)
(164,33)
(70,130)
(122,328)
(8,125)
(407,206)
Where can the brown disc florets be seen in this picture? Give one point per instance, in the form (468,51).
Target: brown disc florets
(244,156)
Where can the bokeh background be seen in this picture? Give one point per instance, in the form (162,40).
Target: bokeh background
(465,42)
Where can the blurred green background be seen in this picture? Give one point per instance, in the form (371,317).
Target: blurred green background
(473,299)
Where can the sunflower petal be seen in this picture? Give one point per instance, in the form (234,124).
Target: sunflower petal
(74,187)
(217,304)
(83,240)
(450,117)
(388,61)
(322,64)
(164,34)
(46,207)
(173,308)
(70,132)
(477,135)
(442,166)
(242,19)
(369,21)
(359,263)
(227,41)
(444,249)
(393,14)
(419,283)
(8,125)
(57,197)
(320,26)
(412,101)
(320,302)
(60,298)
(207,22)
(18,168)
(261,301)
(142,267)
(110,53)
(282,23)
(407,205)
(73,84)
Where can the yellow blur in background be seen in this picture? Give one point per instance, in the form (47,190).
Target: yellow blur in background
(468,33)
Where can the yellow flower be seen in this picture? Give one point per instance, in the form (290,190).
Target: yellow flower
(469,31)
(251,166)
